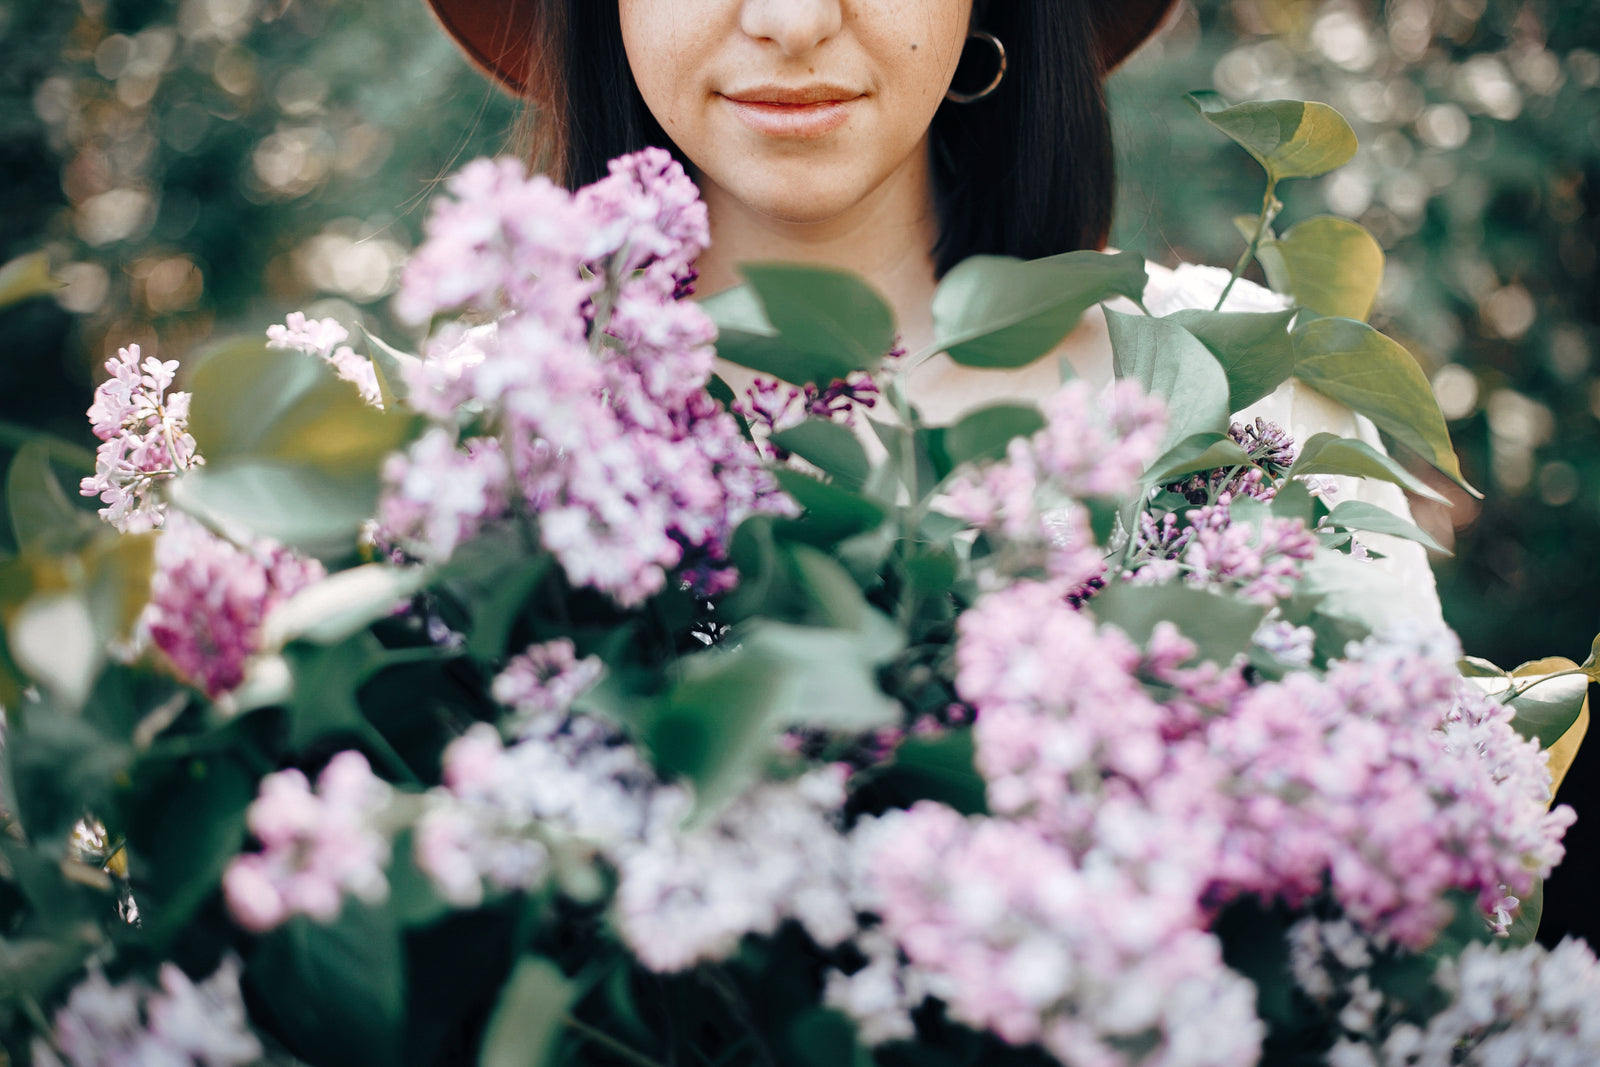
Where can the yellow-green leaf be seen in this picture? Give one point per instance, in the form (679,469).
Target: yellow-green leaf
(1331,265)
(1290,138)
(526,1022)
(26,277)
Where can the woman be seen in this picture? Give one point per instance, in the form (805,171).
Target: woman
(893,138)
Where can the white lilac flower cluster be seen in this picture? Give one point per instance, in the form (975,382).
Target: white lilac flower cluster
(145,441)
(593,379)
(132,1025)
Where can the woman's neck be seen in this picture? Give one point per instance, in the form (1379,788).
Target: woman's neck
(887,238)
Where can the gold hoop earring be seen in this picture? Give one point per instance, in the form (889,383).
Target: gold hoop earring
(1000,71)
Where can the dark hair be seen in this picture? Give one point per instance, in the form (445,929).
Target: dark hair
(1026,171)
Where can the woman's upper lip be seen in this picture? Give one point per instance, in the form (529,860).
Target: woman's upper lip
(792,95)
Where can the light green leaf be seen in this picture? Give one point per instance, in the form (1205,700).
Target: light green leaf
(1201,452)
(528,1019)
(829,447)
(26,277)
(986,433)
(341,605)
(1374,376)
(1327,453)
(299,505)
(1525,925)
(389,364)
(1172,364)
(1478,667)
(1549,701)
(996,311)
(1360,515)
(1221,626)
(43,518)
(1331,265)
(255,404)
(1290,138)
(822,310)
(1253,347)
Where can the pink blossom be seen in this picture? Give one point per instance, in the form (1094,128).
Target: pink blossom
(438,495)
(315,846)
(145,438)
(545,681)
(209,597)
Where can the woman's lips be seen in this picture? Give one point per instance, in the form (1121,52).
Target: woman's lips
(804,120)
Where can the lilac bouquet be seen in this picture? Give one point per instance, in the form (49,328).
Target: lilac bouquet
(533,698)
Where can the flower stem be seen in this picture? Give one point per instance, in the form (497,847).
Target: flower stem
(1269,208)
(605,1040)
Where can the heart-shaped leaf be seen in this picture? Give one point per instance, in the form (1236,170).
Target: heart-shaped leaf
(1253,347)
(830,447)
(1172,364)
(1290,138)
(1331,265)
(822,310)
(987,432)
(1328,453)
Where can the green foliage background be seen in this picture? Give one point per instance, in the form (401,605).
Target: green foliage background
(196,168)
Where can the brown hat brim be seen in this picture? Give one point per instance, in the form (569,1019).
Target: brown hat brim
(498,35)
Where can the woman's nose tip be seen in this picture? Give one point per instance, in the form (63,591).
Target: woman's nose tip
(795,26)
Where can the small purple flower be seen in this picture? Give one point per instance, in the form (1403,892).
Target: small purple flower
(144,430)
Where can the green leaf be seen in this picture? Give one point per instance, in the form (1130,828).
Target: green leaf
(335,992)
(1478,667)
(939,768)
(830,447)
(1547,708)
(528,1018)
(262,405)
(389,364)
(1374,376)
(1360,515)
(1201,452)
(1253,347)
(1331,265)
(822,310)
(832,513)
(996,311)
(326,680)
(825,1037)
(1294,501)
(1220,626)
(987,432)
(1171,364)
(341,605)
(1290,138)
(302,506)
(26,277)
(43,517)
(1327,453)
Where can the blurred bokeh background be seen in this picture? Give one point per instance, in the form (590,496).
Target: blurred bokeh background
(196,168)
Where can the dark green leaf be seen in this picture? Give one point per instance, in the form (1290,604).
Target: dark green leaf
(1253,347)
(1220,626)
(826,1037)
(1201,452)
(43,518)
(1360,515)
(1171,364)
(1294,501)
(336,992)
(1373,376)
(995,311)
(822,310)
(774,356)
(986,433)
(938,768)
(1290,138)
(528,1019)
(830,447)
(1327,453)
(326,679)
(1331,265)
(831,514)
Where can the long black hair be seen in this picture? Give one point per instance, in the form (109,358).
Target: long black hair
(1027,171)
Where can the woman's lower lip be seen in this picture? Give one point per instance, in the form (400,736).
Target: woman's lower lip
(792,120)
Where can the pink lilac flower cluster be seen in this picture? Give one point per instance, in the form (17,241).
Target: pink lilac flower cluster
(544,681)
(1084,959)
(1271,451)
(145,439)
(209,598)
(325,339)
(1091,447)
(593,377)
(441,494)
(316,846)
(133,1025)
(1260,561)
(1132,774)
